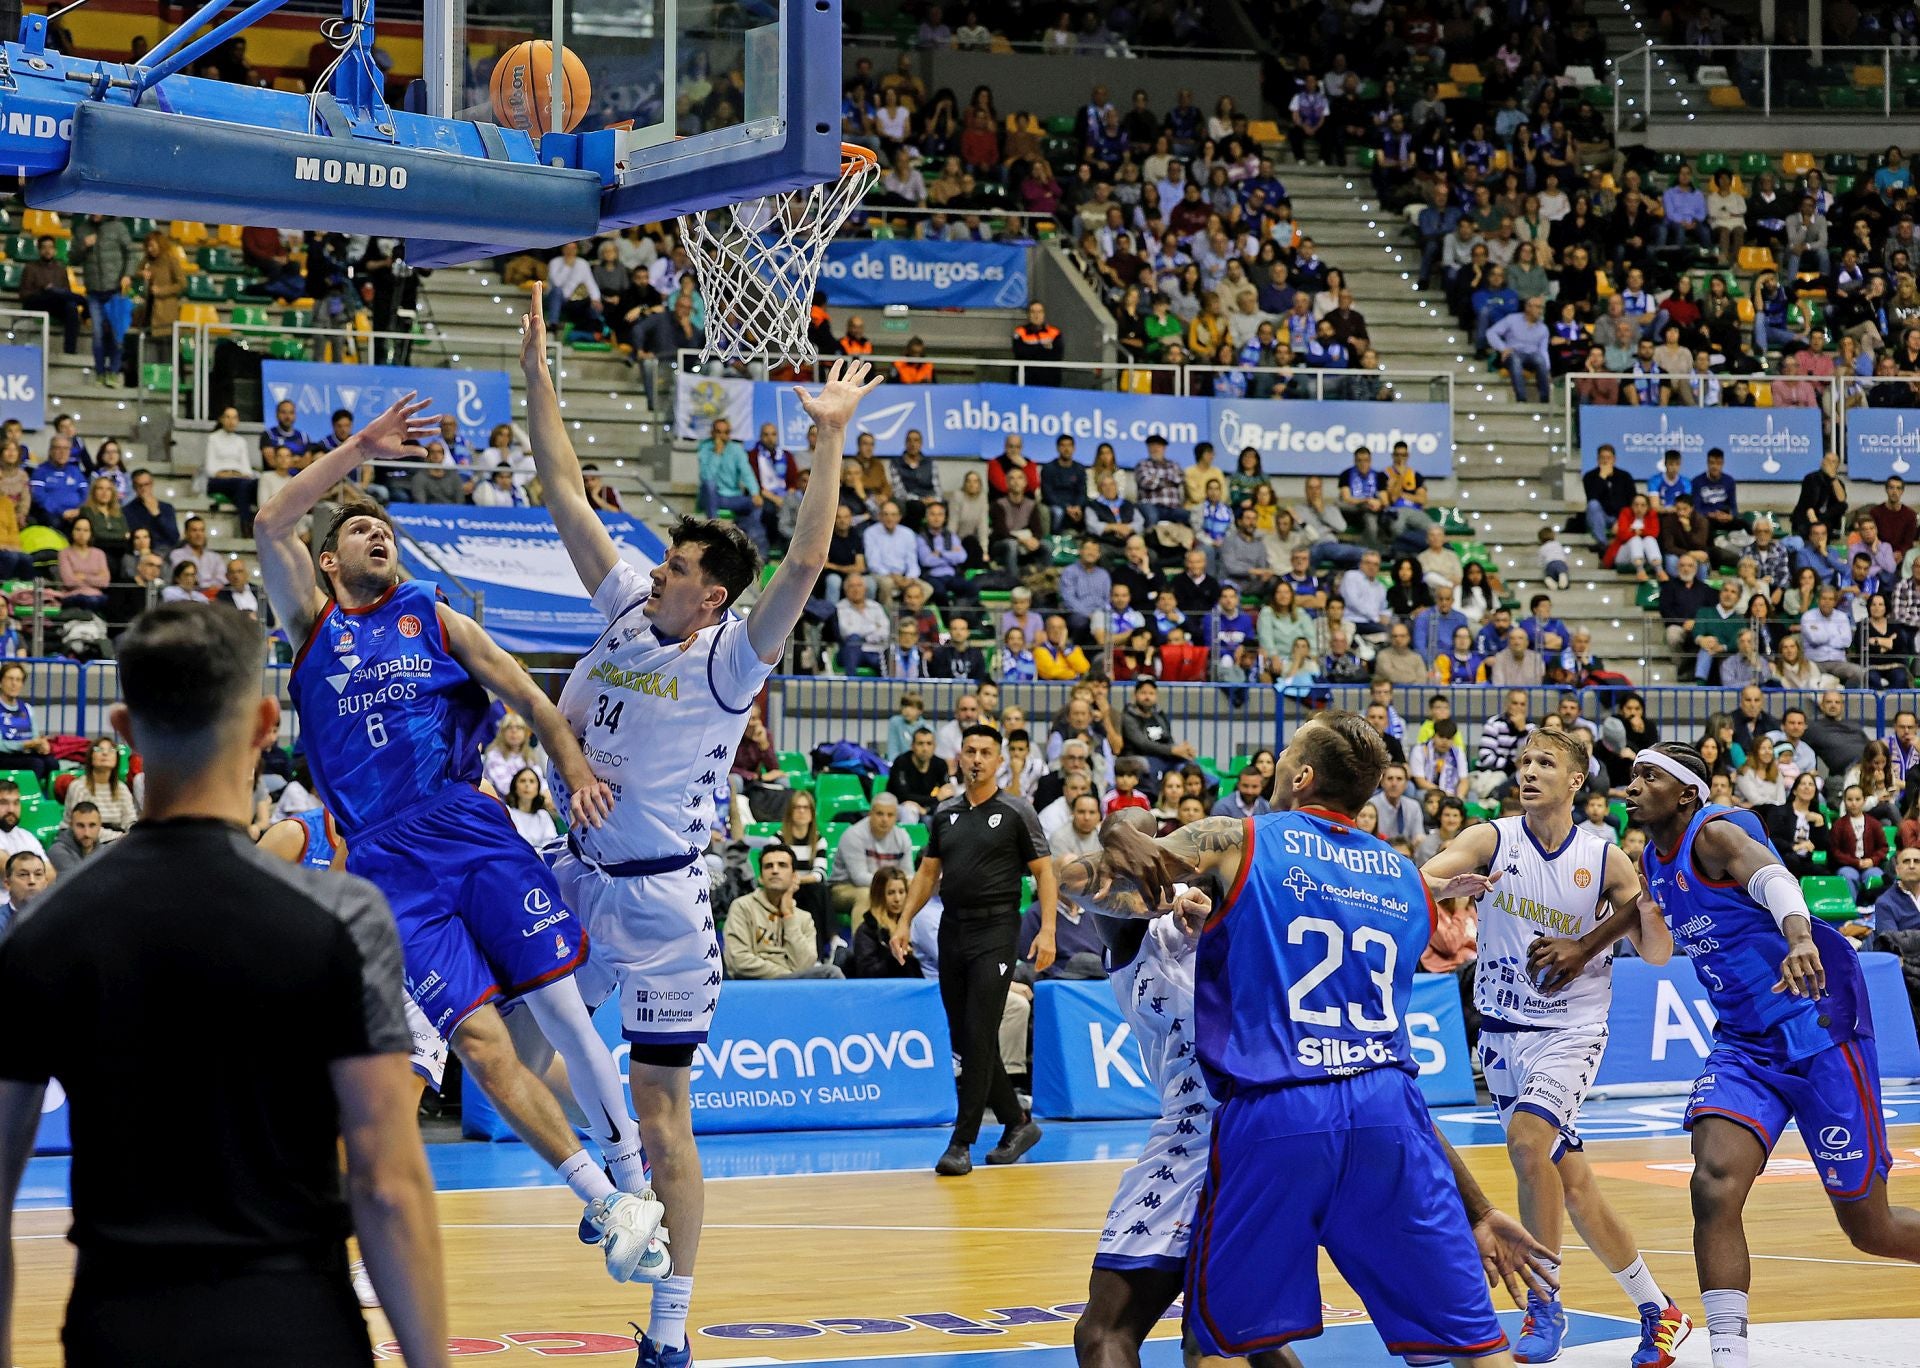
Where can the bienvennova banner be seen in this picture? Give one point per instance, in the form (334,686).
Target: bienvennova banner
(1660,1028)
(514,557)
(1293,436)
(801,1056)
(1086,1064)
(1882,442)
(477,399)
(925,275)
(23,373)
(1765,444)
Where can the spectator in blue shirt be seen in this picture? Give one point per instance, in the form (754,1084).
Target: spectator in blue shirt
(1666,488)
(1437,221)
(1545,632)
(1233,625)
(1276,296)
(59,488)
(1520,341)
(1433,628)
(1817,553)
(1492,302)
(284,433)
(1686,213)
(1267,183)
(1715,496)
(1892,179)
(942,555)
(1085,587)
(1492,636)
(727,482)
(457,449)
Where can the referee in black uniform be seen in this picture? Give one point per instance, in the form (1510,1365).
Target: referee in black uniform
(992,839)
(220,1021)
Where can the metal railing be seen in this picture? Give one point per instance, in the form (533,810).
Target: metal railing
(1768,79)
(1826,388)
(343,345)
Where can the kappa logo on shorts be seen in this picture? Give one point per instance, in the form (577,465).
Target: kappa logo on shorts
(409,625)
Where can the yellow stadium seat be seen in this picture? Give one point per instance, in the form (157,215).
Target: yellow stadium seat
(1796,163)
(43,223)
(1603,287)
(1502,163)
(1264,131)
(1870,77)
(1743,309)
(1465,73)
(1449,91)
(1762,394)
(228,235)
(1757,259)
(293,85)
(1726,97)
(194,314)
(188,234)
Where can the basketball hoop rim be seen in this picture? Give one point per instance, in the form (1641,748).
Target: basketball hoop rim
(855,158)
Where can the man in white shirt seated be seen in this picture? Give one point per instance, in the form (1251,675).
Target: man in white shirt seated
(893,555)
(1056,817)
(14,838)
(572,292)
(232,467)
(1366,600)
(864,627)
(1081,834)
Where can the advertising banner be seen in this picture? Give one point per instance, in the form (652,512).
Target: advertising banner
(1882,442)
(23,389)
(531,595)
(811,1055)
(925,275)
(1776,445)
(1086,1064)
(477,399)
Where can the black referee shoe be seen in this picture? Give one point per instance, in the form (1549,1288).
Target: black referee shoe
(1015,1141)
(957,1162)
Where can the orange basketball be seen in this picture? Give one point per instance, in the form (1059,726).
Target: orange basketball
(522,97)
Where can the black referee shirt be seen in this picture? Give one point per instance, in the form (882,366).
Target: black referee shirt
(984,852)
(190,992)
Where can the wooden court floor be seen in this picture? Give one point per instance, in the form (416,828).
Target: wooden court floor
(880,1265)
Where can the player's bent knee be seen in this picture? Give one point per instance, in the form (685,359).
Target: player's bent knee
(1869,1229)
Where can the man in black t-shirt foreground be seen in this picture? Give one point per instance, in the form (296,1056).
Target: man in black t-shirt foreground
(994,840)
(219,1019)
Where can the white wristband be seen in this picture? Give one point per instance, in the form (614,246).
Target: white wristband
(1779,892)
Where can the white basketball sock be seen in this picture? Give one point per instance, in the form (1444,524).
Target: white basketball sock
(1639,1285)
(1726,1327)
(629,1164)
(667,1321)
(579,1172)
(568,1027)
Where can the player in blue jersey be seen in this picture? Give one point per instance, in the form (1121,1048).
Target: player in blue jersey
(1302,982)
(1793,1038)
(391,686)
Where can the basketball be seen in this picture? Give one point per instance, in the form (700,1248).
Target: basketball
(520,92)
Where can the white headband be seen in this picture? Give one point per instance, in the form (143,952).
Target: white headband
(1676,769)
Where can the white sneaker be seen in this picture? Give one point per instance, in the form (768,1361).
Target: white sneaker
(363,1286)
(627,1223)
(656,1265)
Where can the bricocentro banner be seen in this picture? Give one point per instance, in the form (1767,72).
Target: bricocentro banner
(924,275)
(1660,1028)
(801,1056)
(1087,1066)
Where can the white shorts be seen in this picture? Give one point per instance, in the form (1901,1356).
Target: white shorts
(1151,1218)
(429,1054)
(652,940)
(1546,1073)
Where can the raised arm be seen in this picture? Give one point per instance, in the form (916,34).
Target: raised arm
(1132,859)
(589,546)
(1458,870)
(778,612)
(499,673)
(286,562)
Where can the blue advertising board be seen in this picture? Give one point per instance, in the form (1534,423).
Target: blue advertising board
(924,275)
(1086,1064)
(533,600)
(1882,442)
(1293,436)
(809,1055)
(1660,1028)
(477,399)
(23,388)
(1776,445)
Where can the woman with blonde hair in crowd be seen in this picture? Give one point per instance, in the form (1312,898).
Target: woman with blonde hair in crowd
(100,785)
(886,904)
(1758,784)
(511,750)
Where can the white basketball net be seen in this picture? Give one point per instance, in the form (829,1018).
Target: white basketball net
(758,262)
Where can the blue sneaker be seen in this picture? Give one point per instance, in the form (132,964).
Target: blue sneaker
(1662,1329)
(653,1356)
(1541,1332)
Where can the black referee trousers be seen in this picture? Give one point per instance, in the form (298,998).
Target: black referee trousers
(977,955)
(289,1311)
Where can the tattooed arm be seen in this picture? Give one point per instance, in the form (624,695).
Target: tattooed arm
(1212,845)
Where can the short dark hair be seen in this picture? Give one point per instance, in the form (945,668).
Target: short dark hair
(1791,711)
(83,806)
(982,729)
(141,473)
(338,414)
(1446,727)
(1130,764)
(353,505)
(1347,754)
(13,860)
(727,558)
(185,666)
(1539,599)
(1688,757)
(7,786)
(1019,734)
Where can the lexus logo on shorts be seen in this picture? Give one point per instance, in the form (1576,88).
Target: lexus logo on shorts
(1835,1137)
(537,903)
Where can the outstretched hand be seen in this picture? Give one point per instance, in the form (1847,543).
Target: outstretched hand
(1513,1258)
(847,384)
(1135,857)
(533,332)
(1469,885)
(401,429)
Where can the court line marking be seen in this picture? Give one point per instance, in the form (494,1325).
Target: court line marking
(1775,1258)
(778,1225)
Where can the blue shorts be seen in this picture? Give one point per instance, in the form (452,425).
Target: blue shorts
(479,913)
(1834,1097)
(1353,1165)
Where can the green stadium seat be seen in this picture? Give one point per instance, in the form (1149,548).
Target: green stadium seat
(1709,162)
(1367,158)
(1617,814)
(917,836)
(1599,96)
(11,274)
(287,349)
(1755,164)
(762,832)
(204,289)
(1060,125)
(799,773)
(1234,764)
(253,316)
(1842,163)
(28,781)
(1669,163)
(155,377)
(1828,897)
(833,792)
(1843,185)
(20,247)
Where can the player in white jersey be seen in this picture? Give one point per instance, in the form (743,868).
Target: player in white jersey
(659,704)
(1537,875)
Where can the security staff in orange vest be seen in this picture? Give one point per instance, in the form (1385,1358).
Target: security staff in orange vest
(1039,340)
(855,343)
(914,371)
